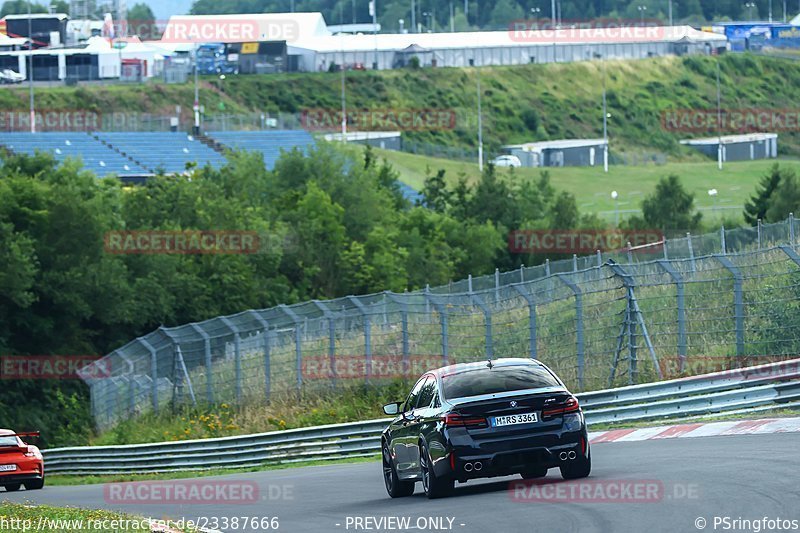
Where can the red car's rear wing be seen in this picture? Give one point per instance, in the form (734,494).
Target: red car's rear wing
(24,434)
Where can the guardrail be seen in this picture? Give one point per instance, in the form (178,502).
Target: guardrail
(751,387)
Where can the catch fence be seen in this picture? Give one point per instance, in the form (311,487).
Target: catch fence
(684,306)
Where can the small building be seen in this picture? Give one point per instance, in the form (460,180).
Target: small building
(388,140)
(560,153)
(738,147)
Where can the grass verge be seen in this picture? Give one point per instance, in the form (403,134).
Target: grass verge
(44,518)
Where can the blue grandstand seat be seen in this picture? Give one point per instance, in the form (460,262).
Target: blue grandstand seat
(95,156)
(165,150)
(269,143)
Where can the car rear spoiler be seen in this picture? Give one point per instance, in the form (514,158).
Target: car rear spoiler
(24,434)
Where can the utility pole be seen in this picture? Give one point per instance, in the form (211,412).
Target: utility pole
(30,69)
(719,123)
(605,121)
(196,106)
(480,122)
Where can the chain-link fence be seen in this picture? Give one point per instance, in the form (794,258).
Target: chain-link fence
(687,305)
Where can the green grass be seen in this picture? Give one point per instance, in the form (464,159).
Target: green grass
(592,187)
(19,517)
(520,103)
(62,480)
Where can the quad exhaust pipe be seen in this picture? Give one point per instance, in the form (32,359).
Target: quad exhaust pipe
(476,466)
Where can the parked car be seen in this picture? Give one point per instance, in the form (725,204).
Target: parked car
(477,420)
(9,76)
(507,161)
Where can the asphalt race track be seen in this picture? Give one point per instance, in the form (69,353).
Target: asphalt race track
(648,486)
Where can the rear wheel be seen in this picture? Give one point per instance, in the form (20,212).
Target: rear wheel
(577,468)
(534,472)
(396,487)
(35,484)
(14,487)
(434,486)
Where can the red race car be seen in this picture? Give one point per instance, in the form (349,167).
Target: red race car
(20,463)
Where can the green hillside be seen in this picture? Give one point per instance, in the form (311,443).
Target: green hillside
(520,103)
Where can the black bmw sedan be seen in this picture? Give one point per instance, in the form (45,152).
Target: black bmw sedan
(476,420)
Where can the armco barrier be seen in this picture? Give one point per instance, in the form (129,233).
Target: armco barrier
(751,387)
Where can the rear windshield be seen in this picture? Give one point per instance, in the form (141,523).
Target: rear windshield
(8,441)
(497,379)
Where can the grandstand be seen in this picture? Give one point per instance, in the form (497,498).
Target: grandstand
(269,143)
(95,156)
(162,150)
(141,154)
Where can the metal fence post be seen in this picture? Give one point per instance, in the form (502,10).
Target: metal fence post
(630,254)
(298,350)
(496,285)
(367,334)
(738,303)
(209,369)
(267,338)
(679,289)
(331,318)
(758,229)
(546,267)
(722,239)
(635,316)
(153,372)
(404,319)
(579,324)
(691,251)
(237,354)
(522,272)
(487,319)
(791,228)
(574,262)
(442,310)
(531,317)
(131,382)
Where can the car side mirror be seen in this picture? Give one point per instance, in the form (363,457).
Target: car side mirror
(392,408)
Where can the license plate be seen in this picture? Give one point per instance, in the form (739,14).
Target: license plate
(509,420)
(7,468)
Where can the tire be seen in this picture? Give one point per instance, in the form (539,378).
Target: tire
(534,472)
(13,488)
(35,484)
(396,487)
(434,486)
(578,468)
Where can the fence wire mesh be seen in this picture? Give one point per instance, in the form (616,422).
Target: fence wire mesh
(685,306)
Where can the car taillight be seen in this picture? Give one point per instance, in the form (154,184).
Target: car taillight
(456,420)
(569,406)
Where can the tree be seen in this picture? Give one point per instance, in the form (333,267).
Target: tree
(756,208)
(435,194)
(142,21)
(20,7)
(786,198)
(670,207)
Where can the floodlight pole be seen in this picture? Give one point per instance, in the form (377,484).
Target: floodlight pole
(480,121)
(30,69)
(196,106)
(719,123)
(605,121)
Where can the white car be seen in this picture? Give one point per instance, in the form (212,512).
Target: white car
(9,76)
(507,161)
